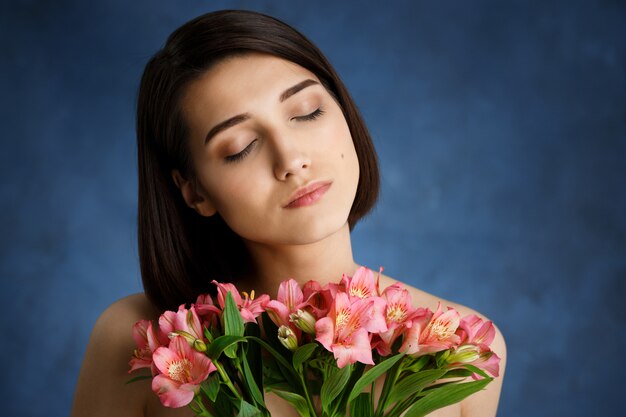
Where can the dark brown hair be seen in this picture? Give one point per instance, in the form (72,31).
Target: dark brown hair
(180,252)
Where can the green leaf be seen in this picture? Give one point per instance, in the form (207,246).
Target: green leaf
(417,365)
(208,335)
(333,386)
(362,405)
(252,352)
(251,383)
(277,356)
(211,387)
(457,373)
(222,343)
(303,353)
(138,378)
(233,323)
(414,383)
(477,370)
(225,405)
(297,401)
(248,410)
(444,396)
(372,375)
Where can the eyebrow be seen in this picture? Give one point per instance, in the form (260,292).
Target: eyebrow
(296,88)
(235,120)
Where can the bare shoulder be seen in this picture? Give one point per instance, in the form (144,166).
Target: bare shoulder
(102,389)
(483,403)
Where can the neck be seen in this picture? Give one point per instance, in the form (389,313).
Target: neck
(324,261)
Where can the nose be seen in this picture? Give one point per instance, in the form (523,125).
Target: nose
(290,157)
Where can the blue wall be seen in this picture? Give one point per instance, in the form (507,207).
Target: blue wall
(501,129)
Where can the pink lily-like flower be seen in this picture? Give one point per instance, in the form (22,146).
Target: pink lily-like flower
(474,330)
(207,310)
(289,299)
(182,371)
(478,355)
(431,332)
(478,334)
(183,320)
(148,339)
(398,316)
(317,298)
(489,362)
(249,308)
(345,330)
(362,284)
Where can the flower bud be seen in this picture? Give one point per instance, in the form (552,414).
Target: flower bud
(287,337)
(464,354)
(188,336)
(195,343)
(303,320)
(199,345)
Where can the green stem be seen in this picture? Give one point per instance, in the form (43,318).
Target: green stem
(203,411)
(390,381)
(226,379)
(307,396)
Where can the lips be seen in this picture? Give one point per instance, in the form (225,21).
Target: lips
(308,194)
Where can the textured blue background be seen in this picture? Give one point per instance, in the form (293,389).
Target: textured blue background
(501,129)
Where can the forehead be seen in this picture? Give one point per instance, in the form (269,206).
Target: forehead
(238,84)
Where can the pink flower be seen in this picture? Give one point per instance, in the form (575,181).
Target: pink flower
(182,321)
(182,371)
(477,355)
(362,284)
(431,332)
(345,330)
(290,298)
(476,333)
(317,299)
(474,330)
(249,307)
(489,362)
(147,340)
(398,315)
(206,309)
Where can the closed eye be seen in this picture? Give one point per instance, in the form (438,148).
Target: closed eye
(239,156)
(311,116)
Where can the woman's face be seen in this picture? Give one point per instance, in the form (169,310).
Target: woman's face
(264,131)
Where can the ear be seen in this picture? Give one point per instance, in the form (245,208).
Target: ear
(194,198)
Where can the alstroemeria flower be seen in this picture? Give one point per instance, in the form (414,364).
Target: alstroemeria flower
(345,330)
(398,316)
(489,362)
(478,334)
(183,320)
(474,330)
(362,284)
(249,308)
(430,334)
(182,371)
(317,299)
(148,339)
(289,299)
(207,310)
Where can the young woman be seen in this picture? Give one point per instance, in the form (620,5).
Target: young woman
(254,165)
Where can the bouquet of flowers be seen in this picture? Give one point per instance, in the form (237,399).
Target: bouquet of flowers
(321,348)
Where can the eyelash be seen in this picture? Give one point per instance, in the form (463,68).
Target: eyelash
(311,116)
(239,156)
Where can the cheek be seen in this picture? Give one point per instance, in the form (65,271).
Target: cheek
(237,194)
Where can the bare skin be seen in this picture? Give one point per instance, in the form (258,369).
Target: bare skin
(248,173)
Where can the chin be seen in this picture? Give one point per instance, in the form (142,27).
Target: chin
(319,230)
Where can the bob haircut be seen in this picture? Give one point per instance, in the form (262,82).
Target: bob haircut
(180,252)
